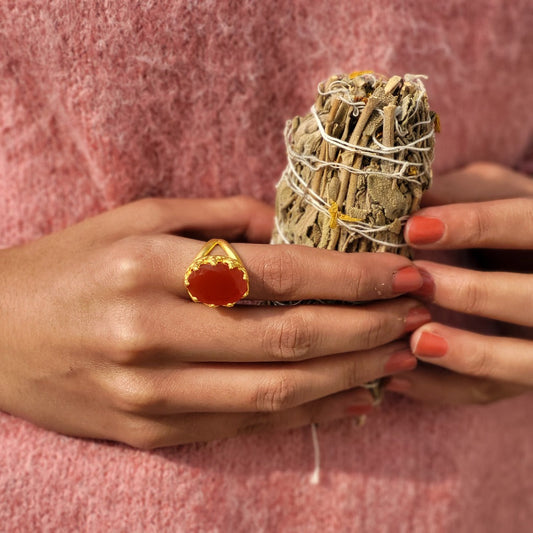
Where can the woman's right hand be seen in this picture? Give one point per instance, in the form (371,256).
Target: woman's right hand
(99,338)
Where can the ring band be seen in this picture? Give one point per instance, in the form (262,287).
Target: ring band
(217,280)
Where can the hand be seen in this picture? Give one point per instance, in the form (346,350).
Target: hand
(99,338)
(462,366)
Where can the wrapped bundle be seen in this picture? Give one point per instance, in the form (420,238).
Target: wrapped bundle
(358,164)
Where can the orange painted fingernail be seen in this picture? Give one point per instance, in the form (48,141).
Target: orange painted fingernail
(418,316)
(424,230)
(400,361)
(397,384)
(407,279)
(431,345)
(361,402)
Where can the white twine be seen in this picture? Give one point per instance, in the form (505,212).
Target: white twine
(280,232)
(314,163)
(401,150)
(300,187)
(373,152)
(315,476)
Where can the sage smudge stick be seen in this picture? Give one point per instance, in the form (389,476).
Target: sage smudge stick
(358,164)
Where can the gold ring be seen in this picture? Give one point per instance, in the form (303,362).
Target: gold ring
(217,280)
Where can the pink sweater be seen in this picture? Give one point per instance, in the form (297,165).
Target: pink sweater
(105,102)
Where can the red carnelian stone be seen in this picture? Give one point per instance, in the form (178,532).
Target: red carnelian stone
(217,284)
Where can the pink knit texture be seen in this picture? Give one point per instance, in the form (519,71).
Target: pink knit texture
(102,103)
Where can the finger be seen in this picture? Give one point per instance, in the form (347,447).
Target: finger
(234,218)
(501,296)
(172,430)
(504,224)
(280,272)
(478,182)
(277,334)
(238,218)
(270,387)
(481,356)
(439,386)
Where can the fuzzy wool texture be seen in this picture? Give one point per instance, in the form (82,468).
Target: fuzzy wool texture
(102,103)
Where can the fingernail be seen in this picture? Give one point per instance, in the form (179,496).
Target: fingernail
(400,361)
(418,316)
(406,279)
(397,384)
(427,290)
(431,345)
(424,230)
(361,402)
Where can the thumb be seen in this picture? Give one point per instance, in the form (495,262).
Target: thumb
(238,218)
(478,182)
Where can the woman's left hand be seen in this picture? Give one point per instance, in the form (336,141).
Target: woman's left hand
(462,366)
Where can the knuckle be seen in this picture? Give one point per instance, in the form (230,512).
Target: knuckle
(356,374)
(276,394)
(480,362)
(243,205)
(375,333)
(279,273)
(241,202)
(474,297)
(357,280)
(353,278)
(130,264)
(289,338)
(151,212)
(479,225)
(134,394)
(128,335)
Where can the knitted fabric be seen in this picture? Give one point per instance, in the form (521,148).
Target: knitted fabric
(102,103)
